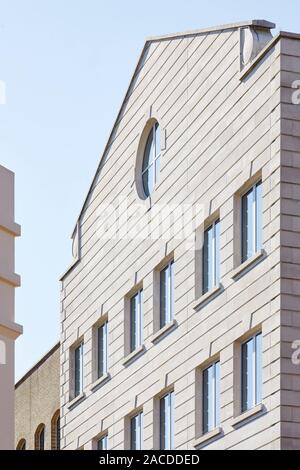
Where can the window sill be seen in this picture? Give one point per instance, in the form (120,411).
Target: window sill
(207,297)
(134,355)
(164,331)
(75,401)
(247,265)
(240,420)
(101,381)
(207,437)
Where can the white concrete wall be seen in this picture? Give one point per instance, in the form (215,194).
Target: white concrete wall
(9,330)
(221,131)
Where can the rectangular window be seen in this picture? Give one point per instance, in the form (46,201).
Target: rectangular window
(211,397)
(211,257)
(136,321)
(103,349)
(252,372)
(252,221)
(78,368)
(136,432)
(167,295)
(167,422)
(102,443)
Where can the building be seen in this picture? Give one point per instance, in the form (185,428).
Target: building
(9,330)
(37,414)
(180,329)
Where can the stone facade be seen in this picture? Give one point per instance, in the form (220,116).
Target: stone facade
(224,100)
(37,404)
(9,330)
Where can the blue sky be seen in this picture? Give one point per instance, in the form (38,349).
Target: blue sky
(66,65)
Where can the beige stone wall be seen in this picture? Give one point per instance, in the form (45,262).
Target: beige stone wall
(9,330)
(37,400)
(223,130)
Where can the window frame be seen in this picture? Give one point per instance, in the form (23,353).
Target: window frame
(103,439)
(167,315)
(21,444)
(136,337)
(167,441)
(79,346)
(216,257)
(255,386)
(140,430)
(55,431)
(256,227)
(216,398)
(102,362)
(154,160)
(39,437)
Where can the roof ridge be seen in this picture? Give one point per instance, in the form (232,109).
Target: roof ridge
(241,24)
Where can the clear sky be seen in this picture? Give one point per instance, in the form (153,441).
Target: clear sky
(66,65)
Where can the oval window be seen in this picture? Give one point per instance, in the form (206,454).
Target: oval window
(151,160)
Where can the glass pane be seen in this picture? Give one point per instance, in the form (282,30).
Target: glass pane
(247,375)
(146,183)
(42,439)
(258,216)
(151,160)
(218,395)
(141,318)
(133,322)
(134,430)
(102,350)
(149,152)
(58,434)
(205,412)
(163,424)
(78,370)
(163,297)
(208,260)
(172,292)
(217,253)
(148,165)
(172,421)
(157,168)
(167,422)
(148,180)
(211,401)
(258,355)
(247,226)
(211,397)
(142,431)
(102,443)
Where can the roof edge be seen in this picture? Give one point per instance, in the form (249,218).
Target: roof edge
(242,24)
(37,365)
(290,35)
